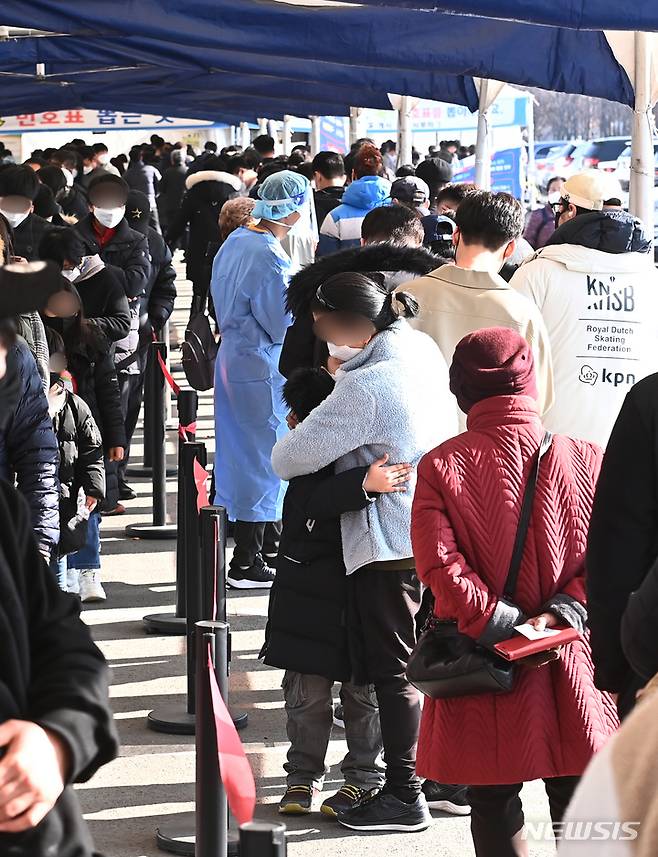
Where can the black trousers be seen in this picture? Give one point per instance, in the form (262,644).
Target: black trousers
(131,388)
(384,604)
(497,815)
(253,540)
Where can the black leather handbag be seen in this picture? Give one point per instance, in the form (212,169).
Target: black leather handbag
(446,663)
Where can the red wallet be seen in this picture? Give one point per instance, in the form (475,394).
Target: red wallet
(518,647)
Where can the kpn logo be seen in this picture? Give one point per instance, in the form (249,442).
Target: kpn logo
(589,375)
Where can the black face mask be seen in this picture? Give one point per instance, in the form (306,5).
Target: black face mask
(61,325)
(10,390)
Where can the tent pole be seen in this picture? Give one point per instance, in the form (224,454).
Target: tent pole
(405,131)
(355,117)
(642,158)
(532,170)
(287,134)
(262,126)
(482,155)
(245,135)
(315,135)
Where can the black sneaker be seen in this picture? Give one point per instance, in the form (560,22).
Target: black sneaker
(126,492)
(257,576)
(339,715)
(298,800)
(447,798)
(383,811)
(345,798)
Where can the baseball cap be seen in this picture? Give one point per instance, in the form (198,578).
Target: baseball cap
(410,190)
(591,189)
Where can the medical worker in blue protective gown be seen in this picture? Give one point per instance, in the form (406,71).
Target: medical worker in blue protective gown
(249,281)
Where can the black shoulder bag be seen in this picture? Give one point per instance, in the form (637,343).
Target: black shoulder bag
(446,663)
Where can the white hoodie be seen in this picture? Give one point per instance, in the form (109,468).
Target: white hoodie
(601,312)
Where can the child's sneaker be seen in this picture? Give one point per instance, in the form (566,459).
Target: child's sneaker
(345,798)
(73,581)
(90,586)
(298,800)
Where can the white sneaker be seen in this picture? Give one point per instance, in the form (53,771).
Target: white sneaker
(73,581)
(90,586)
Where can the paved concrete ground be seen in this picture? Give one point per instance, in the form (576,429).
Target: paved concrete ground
(153,781)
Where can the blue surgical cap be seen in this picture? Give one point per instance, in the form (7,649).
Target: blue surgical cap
(281,194)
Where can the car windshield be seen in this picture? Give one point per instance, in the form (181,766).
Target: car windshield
(605,150)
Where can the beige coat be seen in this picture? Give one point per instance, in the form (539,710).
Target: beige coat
(455,302)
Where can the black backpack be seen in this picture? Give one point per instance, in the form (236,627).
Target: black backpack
(199,352)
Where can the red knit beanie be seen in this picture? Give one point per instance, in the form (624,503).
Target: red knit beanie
(492,362)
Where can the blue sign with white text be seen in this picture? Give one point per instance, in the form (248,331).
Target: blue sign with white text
(506,172)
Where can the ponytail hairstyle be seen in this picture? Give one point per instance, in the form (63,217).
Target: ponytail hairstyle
(368,161)
(366,297)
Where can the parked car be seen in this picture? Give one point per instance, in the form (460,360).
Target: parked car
(602,154)
(543,147)
(623,171)
(557,162)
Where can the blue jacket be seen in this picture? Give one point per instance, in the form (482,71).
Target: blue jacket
(393,398)
(28,450)
(342,226)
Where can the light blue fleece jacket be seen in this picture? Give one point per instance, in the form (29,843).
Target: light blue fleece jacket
(393,398)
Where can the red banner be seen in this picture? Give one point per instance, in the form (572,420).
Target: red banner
(201,482)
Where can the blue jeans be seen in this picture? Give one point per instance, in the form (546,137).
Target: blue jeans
(58,567)
(90,555)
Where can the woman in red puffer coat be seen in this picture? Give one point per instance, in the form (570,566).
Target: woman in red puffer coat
(465,517)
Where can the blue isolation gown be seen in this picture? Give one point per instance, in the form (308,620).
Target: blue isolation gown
(249,281)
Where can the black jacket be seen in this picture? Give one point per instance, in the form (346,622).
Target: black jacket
(127,252)
(300,347)
(623,536)
(172,190)
(80,448)
(96,379)
(307,625)
(610,231)
(207,191)
(74,203)
(28,235)
(639,627)
(28,451)
(157,302)
(104,302)
(326,200)
(50,673)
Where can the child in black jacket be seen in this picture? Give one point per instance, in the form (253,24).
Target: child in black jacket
(81,468)
(307,633)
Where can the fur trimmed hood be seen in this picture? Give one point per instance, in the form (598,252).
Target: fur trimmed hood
(386,258)
(213,176)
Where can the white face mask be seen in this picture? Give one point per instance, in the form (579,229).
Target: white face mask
(86,170)
(554,197)
(15,218)
(69,176)
(343,352)
(103,158)
(72,274)
(110,217)
(74,173)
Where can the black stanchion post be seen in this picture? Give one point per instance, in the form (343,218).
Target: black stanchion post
(214,527)
(210,822)
(258,839)
(150,416)
(179,719)
(167,623)
(211,806)
(158,528)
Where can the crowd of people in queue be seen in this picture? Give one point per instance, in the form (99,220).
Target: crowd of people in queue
(412,400)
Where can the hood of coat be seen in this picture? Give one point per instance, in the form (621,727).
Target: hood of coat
(608,231)
(367,193)
(213,176)
(409,261)
(584,260)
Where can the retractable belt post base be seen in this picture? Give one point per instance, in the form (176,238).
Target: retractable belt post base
(259,839)
(155,437)
(174,624)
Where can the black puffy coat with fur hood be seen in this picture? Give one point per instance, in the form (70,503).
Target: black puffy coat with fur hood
(398,264)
